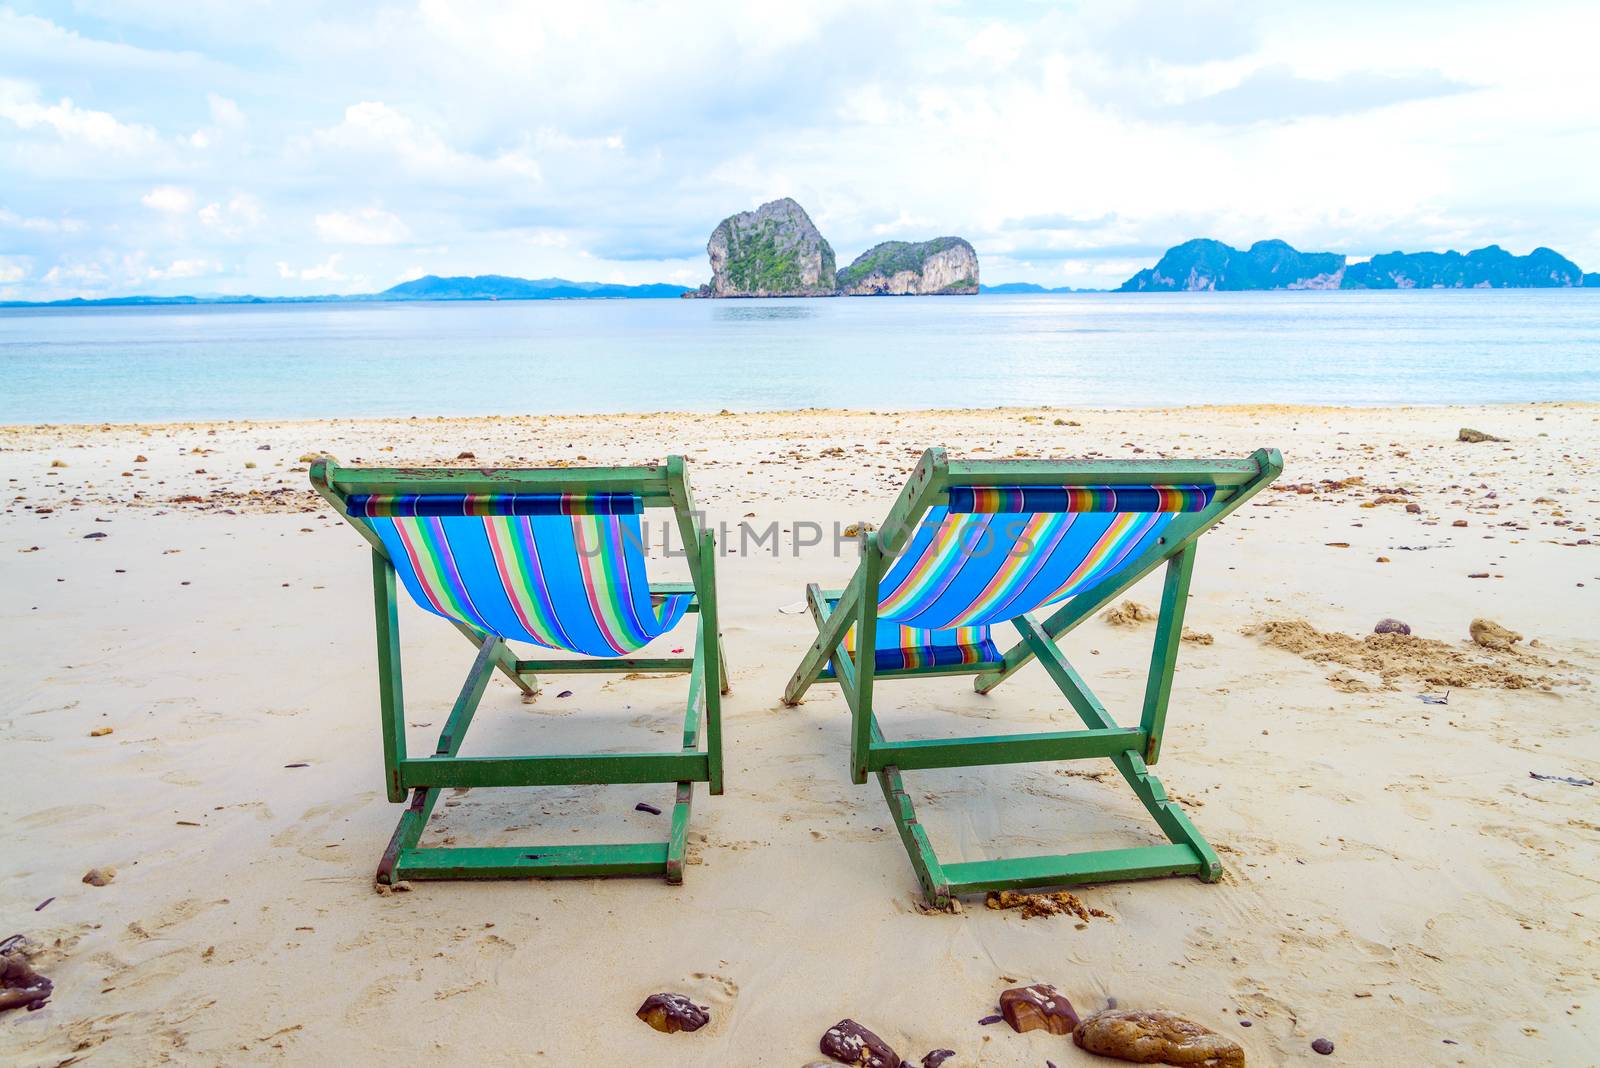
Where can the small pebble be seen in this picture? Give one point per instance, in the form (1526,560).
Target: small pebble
(643,807)
(1322,1046)
(99,876)
(987,1020)
(564,693)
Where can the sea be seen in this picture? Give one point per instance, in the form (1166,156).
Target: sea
(287,361)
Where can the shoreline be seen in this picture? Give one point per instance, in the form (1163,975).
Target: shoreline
(1259,408)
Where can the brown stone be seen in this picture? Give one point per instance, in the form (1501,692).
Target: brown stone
(1157,1037)
(1030,1008)
(671,1013)
(849,1043)
(1472,436)
(100,876)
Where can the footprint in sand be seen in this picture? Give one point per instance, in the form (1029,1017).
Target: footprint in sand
(318,832)
(53,817)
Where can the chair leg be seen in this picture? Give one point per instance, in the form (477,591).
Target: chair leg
(402,859)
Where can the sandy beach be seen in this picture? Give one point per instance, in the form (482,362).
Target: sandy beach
(1397,882)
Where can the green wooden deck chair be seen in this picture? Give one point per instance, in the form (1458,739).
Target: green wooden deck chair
(553,558)
(971,544)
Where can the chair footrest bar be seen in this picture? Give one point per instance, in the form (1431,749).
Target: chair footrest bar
(829,675)
(585,770)
(584,667)
(1004,749)
(1105,865)
(546,862)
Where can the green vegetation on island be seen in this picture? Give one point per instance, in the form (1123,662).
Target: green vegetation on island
(776,251)
(1204,264)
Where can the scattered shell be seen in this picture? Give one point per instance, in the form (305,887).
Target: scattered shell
(100,732)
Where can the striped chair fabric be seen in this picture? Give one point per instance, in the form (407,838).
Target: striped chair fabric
(562,571)
(997,552)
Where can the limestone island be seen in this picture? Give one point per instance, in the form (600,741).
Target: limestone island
(777,251)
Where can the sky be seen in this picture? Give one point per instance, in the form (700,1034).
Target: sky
(296,148)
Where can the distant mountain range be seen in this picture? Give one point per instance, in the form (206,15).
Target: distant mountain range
(1204,264)
(428,287)
(1030,287)
(1201,264)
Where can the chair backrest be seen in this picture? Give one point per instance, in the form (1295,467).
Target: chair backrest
(995,552)
(974,543)
(562,570)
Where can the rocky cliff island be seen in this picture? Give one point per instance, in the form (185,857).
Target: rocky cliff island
(774,251)
(777,251)
(943,265)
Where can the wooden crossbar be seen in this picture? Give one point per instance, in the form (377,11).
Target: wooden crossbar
(1003,749)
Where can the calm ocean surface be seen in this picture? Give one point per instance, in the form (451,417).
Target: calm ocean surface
(307,360)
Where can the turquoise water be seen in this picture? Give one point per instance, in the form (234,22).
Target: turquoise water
(308,360)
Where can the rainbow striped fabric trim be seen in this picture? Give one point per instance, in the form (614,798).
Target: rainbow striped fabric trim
(560,580)
(908,648)
(442,504)
(1035,499)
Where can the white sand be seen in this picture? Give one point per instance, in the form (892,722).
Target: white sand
(1395,878)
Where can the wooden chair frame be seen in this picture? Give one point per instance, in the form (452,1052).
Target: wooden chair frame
(1131,749)
(664,486)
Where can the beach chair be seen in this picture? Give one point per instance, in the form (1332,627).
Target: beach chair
(971,544)
(556,559)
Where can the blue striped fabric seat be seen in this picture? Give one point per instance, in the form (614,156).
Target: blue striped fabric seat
(561,571)
(998,552)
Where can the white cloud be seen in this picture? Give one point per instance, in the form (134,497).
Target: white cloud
(191,268)
(372,127)
(84,273)
(20,103)
(998,43)
(171,199)
(326,271)
(366,226)
(12,270)
(240,215)
(38,224)
(225,113)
